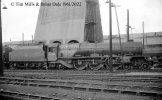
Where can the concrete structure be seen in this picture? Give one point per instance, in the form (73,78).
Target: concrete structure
(68,21)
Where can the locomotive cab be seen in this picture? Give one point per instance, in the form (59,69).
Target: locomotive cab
(52,52)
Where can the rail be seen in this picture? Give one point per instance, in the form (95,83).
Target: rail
(139,90)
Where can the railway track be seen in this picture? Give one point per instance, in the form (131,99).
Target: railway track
(99,77)
(80,71)
(153,90)
(25,96)
(7,72)
(101,82)
(83,75)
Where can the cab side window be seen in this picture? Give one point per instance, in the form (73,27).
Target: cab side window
(51,49)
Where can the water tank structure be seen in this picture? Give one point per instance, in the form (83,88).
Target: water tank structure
(69,21)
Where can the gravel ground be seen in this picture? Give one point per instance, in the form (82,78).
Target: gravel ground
(69,94)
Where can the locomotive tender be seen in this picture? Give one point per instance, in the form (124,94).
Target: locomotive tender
(78,56)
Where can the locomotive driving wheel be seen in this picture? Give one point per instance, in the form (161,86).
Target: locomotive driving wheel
(95,65)
(127,67)
(145,66)
(80,65)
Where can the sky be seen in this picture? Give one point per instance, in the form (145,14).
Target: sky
(22,19)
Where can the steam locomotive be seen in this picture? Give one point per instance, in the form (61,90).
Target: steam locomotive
(93,56)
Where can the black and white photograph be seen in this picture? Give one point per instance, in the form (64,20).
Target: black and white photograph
(81,50)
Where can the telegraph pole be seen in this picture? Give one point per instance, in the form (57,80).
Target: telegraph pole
(32,39)
(143,34)
(127,25)
(23,38)
(110,31)
(1,49)
(118,29)
(110,37)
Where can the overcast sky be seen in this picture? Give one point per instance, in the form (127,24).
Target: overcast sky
(17,20)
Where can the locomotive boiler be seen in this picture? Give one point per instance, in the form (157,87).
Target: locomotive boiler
(78,56)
